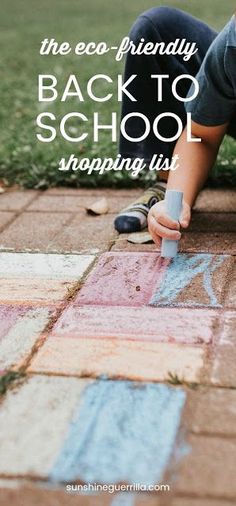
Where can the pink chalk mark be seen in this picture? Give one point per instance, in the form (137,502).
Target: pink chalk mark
(190,326)
(123,279)
(9,314)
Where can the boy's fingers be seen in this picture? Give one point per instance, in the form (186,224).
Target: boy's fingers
(184,223)
(155,237)
(162,231)
(165,220)
(185,218)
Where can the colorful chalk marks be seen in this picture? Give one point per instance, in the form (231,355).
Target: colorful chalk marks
(121,279)
(189,281)
(20,327)
(139,279)
(129,325)
(124,499)
(39,278)
(121,432)
(174,325)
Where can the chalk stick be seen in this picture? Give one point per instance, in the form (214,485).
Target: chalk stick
(173,202)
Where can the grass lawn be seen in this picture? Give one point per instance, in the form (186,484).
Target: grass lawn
(23,24)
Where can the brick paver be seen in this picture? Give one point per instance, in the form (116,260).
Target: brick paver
(192,242)
(143,361)
(33,231)
(190,501)
(136,279)
(31,495)
(129,359)
(54,401)
(76,203)
(86,234)
(39,278)
(5,219)
(231,295)
(137,324)
(121,280)
(102,192)
(65,405)
(21,327)
(216,201)
(16,200)
(212,411)
(203,470)
(41,266)
(224,364)
(123,446)
(193,280)
(216,243)
(219,222)
(122,244)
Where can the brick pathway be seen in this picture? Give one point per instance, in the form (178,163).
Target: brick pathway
(129,361)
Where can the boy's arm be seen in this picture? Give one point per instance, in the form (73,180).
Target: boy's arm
(215,105)
(196,161)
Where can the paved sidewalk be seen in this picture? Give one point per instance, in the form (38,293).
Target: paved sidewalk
(116,366)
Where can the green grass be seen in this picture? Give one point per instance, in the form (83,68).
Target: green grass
(23,24)
(8,378)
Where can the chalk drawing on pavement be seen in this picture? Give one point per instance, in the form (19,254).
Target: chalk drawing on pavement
(121,432)
(181,273)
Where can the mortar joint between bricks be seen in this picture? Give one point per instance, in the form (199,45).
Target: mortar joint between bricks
(218,435)
(26,477)
(10,380)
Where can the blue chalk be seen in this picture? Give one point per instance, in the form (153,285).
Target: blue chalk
(181,273)
(173,202)
(121,432)
(124,499)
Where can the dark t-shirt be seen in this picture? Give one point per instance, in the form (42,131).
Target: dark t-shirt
(216,101)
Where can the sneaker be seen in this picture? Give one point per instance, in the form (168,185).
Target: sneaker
(134,217)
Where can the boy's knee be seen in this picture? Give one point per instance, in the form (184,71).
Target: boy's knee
(154,19)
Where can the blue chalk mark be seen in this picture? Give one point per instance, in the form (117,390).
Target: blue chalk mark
(181,450)
(122,431)
(181,272)
(124,499)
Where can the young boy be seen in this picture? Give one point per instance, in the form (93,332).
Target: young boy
(213,112)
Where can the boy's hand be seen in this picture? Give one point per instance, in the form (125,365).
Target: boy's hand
(160,225)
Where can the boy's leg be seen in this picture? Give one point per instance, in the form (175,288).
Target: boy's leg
(162,24)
